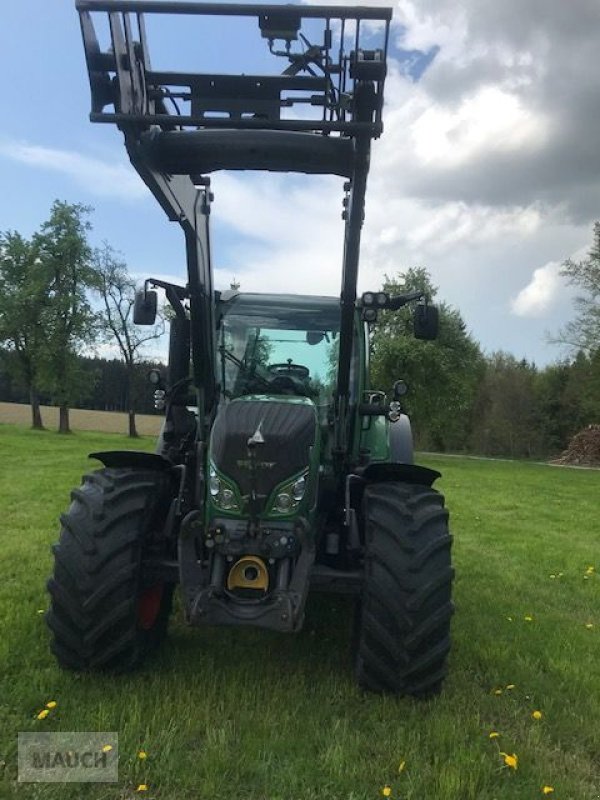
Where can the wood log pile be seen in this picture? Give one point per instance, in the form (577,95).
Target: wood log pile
(584,448)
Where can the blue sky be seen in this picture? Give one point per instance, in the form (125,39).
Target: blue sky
(478,175)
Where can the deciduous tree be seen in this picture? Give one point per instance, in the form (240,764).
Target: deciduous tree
(583,332)
(117,290)
(69,321)
(23,300)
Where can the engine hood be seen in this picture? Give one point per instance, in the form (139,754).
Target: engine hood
(285,430)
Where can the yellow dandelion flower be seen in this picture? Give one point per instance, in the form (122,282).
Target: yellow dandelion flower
(43,714)
(401,766)
(494,735)
(537,715)
(51,704)
(528,618)
(590,570)
(143,787)
(510,686)
(589,625)
(511,760)
(142,754)
(386,791)
(547,789)
(107,748)
(497,691)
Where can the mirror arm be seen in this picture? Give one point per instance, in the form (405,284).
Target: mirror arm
(400,300)
(175,294)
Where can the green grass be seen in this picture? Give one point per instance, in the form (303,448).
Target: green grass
(252,714)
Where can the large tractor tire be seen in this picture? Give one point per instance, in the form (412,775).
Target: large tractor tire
(402,635)
(103,613)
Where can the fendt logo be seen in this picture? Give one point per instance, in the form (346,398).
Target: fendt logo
(246,463)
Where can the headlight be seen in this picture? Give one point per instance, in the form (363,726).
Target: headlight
(283,502)
(298,488)
(227,500)
(288,495)
(223,493)
(368,299)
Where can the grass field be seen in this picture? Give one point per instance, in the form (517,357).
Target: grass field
(257,715)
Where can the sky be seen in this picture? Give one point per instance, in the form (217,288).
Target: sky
(487,174)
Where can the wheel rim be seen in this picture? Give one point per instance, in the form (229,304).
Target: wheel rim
(149,603)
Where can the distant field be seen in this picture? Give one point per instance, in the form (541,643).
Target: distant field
(230,714)
(81,419)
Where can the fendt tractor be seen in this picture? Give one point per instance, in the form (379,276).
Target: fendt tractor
(280,470)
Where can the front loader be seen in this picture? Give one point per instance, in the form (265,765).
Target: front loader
(279,470)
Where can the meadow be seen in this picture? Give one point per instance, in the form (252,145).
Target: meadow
(255,715)
(82,419)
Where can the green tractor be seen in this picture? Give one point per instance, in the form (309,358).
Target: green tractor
(279,469)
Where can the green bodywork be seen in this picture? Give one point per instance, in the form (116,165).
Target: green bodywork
(305,507)
(290,314)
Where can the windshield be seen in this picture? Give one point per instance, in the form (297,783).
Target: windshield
(270,356)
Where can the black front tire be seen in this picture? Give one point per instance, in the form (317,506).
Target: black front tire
(103,615)
(402,636)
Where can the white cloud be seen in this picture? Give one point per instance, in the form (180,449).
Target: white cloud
(489,120)
(540,294)
(97,176)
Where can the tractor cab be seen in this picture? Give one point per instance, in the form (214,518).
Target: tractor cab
(285,345)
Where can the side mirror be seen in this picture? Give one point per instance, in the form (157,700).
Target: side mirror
(426,322)
(144,308)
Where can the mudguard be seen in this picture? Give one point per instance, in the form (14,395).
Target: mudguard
(406,473)
(132,458)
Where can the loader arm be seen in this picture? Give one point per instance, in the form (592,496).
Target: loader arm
(317,116)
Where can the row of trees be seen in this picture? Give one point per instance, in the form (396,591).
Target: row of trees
(50,287)
(104,385)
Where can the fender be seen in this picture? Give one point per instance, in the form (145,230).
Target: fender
(132,458)
(407,473)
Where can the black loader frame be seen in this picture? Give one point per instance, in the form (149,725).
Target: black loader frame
(235,122)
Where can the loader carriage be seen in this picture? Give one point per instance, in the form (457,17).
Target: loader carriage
(279,468)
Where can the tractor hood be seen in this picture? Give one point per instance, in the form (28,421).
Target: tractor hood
(284,432)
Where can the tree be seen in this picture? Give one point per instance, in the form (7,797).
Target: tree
(442,375)
(117,291)
(583,333)
(506,409)
(23,300)
(558,413)
(68,320)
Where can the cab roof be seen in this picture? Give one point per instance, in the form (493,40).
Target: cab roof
(293,311)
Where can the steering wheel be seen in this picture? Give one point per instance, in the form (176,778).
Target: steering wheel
(289,370)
